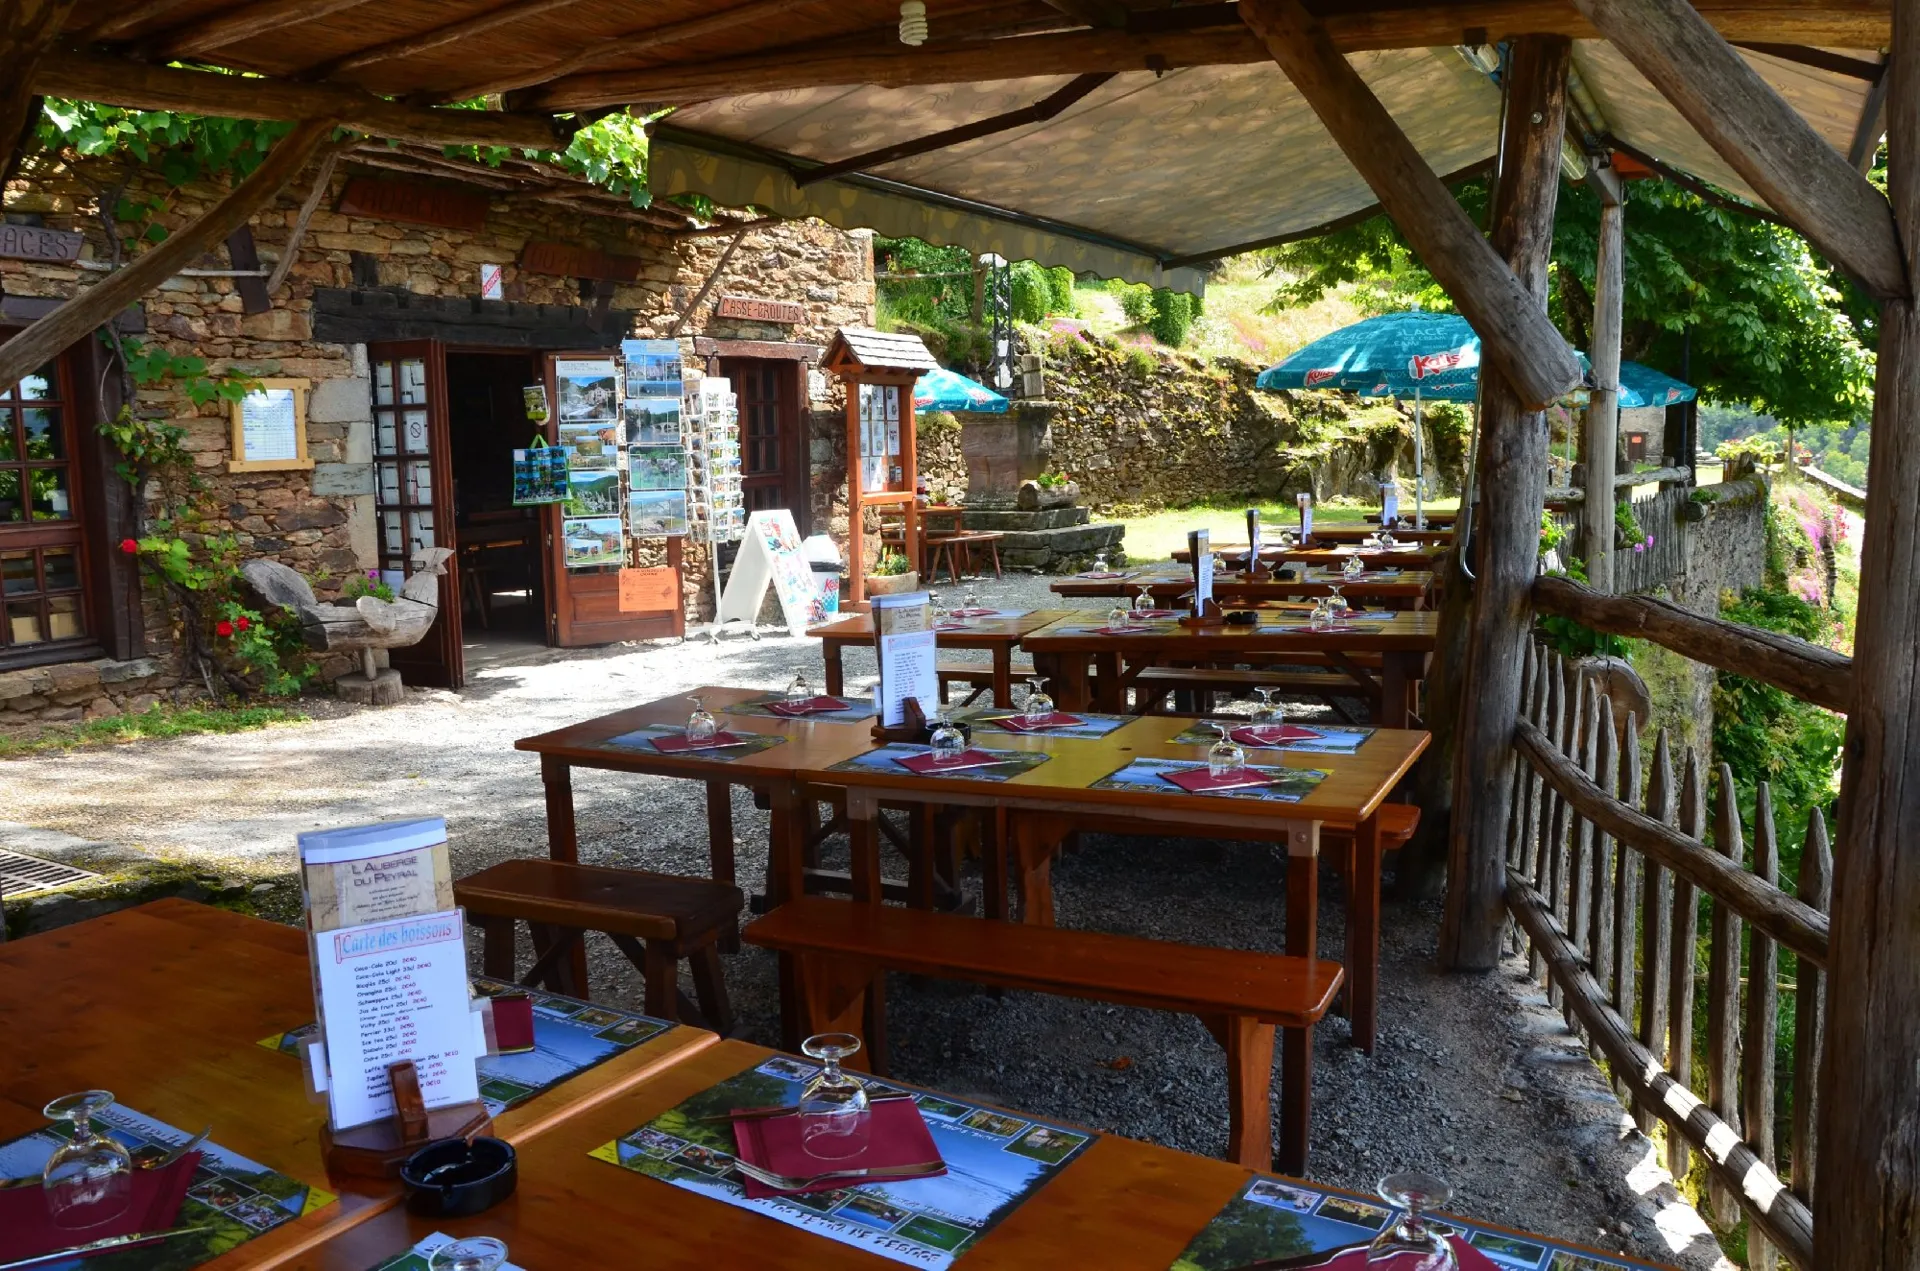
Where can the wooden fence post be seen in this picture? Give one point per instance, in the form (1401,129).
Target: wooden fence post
(1603,408)
(1513,482)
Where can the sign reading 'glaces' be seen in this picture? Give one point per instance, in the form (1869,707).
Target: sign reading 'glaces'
(34,242)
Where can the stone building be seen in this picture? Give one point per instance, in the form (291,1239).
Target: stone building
(423,294)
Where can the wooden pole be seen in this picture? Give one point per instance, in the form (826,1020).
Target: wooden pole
(1867,1204)
(1603,408)
(1516,337)
(98,305)
(27,30)
(1513,485)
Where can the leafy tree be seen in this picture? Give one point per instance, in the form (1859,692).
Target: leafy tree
(1172,317)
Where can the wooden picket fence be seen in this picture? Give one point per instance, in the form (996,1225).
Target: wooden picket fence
(1663,560)
(1605,876)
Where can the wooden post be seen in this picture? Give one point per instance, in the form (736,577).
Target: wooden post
(1603,408)
(99,304)
(1867,1202)
(27,29)
(1513,485)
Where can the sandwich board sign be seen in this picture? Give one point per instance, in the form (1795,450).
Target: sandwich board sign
(770,555)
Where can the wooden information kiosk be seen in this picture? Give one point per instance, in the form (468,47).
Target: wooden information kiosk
(879,370)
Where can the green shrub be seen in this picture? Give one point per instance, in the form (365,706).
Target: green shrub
(1141,362)
(1136,302)
(1060,281)
(1032,292)
(1172,317)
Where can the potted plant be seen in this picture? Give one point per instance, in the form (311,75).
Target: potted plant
(890,575)
(1048,490)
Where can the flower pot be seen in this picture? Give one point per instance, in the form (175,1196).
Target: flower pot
(892,584)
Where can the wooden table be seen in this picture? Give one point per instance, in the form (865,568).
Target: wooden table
(1349,533)
(1409,589)
(996,635)
(1064,652)
(1123,1205)
(1056,799)
(1404,556)
(166,1004)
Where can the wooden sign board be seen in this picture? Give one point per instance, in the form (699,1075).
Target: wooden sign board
(32,242)
(414,201)
(757,310)
(649,590)
(565,261)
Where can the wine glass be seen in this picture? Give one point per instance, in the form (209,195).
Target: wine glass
(1336,605)
(970,602)
(1119,615)
(1100,565)
(1224,755)
(1038,705)
(89,1178)
(1286,540)
(834,1119)
(469,1253)
(1271,711)
(701,725)
(1143,603)
(799,692)
(948,742)
(1353,567)
(1320,615)
(1414,1193)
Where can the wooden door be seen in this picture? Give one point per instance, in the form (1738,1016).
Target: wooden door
(584,605)
(413,493)
(45,614)
(773,452)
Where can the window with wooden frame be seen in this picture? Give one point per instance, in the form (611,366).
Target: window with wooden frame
(44,605)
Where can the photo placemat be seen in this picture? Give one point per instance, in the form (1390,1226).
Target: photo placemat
(641,739)
(1284,1218)
(569,1037)
(420,1257)
(858,708)
(1332,740)
(995,1162)
(886,759)
(1289,785)
(233,1198)
(1090,725)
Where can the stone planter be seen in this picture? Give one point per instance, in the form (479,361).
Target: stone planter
(1033,496)
(892,584)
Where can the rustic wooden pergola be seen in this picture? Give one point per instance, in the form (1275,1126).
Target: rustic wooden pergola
(391,69)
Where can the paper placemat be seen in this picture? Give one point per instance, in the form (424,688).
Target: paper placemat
(1283,1218)
(420,1257)
(1290,785)
(858,708)
(641,739)
(886,759)
(234,1198)
(1331,741)
(569,1037)
(995,1160)
(1090,725)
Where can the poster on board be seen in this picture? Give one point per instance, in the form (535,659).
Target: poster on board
(770,555)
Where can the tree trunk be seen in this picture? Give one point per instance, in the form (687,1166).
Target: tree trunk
(1513,484)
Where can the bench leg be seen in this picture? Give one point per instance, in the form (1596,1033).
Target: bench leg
(840,996)
(1249,1047)
(496,947)
(1033,847)
(993,862)
(720,847)
(660,970)
(1296,1098)
(556,951)
(710,987)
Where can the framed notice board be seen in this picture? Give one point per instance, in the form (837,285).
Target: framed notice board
(270,428)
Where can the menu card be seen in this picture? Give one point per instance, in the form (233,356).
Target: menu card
(1253,538)
(1199,544)
(904,634)
(375,873)
(1305,502)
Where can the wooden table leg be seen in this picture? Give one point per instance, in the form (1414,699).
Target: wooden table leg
(720,847)
(1296,1100)
(1003,676)
(836,674)
(1109,696)
(993,862)
(563,842)
(864,846)
(1066,675)
(1394,685)
(786,877)
(1363,931)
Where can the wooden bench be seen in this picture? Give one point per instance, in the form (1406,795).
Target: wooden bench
(957,551)
(655,919)
(841,948)
(977,675)
(1152,685)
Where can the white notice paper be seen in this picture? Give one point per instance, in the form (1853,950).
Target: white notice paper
(269,426)
(392,991)
(904,624)
(1389,505)
(1306,515)
(1202,572)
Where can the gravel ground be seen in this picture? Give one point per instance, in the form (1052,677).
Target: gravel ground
(1474,1077)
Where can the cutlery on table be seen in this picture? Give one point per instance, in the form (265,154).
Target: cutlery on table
(182,1150)
(872,1174)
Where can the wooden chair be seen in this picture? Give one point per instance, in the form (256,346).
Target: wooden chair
(655,919)
(841,948)
(957,550)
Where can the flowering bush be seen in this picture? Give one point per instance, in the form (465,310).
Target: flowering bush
(367,584)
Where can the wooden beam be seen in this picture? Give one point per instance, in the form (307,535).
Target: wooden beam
(127,18)
(1512,481)
(729,227)
(77,318)
(1516,336)
(1819,59)
(1092,12)
(120,81)
(1041,111)
(1872,127)
(322,181)
(28,29)
(232,25)
(1773,148)
(626,45)
(713,278)
(1602,433)
(436,37)
(1867,1203)
(837,62)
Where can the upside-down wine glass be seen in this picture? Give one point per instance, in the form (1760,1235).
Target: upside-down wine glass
(1270,712)
(1038,705)
(1119,615)
(1320,615)
(701,725)
(970,602)
(799,692)
(1100,565)
(834,1118)
(948,742)
(1414,1193)
(469,1253)
(89,1178)
(1353,567)
(1336,605)
(1143,603)
(1224,755)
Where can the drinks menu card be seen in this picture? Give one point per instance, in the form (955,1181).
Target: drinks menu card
(903,631)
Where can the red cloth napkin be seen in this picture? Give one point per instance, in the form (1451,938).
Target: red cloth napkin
(1201,781)
(1272,734)
(1470,1259)
(1054,719)
(898,1136)
(1109,574)
(27,1229)
(679,742)
(1128,630)
(973,613)
(812,706)
(1156,613)
(513,1023)
(923,764)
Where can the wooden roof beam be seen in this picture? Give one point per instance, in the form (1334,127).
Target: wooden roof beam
(1761,136)
(121,81)
(28,29)
(1095,13)
(126,19)
(230,26)
(1844,24)
(426,41)
(1516,336)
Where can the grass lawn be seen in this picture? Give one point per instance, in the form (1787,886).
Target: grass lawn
(1156,535)
(155,721)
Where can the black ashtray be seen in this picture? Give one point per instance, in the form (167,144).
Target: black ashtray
(1242,618)
(454,1178)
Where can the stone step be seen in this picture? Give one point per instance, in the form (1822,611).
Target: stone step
(1011,520)
(1057,549)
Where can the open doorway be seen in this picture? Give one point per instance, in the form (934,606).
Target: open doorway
(503,600)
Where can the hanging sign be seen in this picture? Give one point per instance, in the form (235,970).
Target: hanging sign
(34,242)
(566,261)
(449,207)
(785,312)
(770,555)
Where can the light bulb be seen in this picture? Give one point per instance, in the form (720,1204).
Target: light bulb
(913,22)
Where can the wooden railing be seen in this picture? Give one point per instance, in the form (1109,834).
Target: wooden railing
(1606,882)
(1644,566)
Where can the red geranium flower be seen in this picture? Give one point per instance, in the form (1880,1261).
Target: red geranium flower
(223,627)
(129,545)
(243,623)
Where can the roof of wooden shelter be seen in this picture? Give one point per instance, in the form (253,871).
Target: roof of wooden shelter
(1163,136)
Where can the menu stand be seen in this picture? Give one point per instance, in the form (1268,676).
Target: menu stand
(1208,615)
(378,1148)
(912,727)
